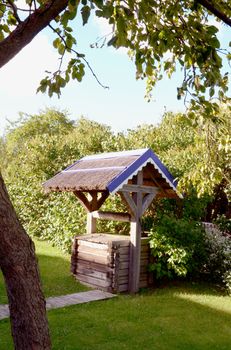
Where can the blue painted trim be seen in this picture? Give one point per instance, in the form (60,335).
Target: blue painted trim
(163,169)
(148,153)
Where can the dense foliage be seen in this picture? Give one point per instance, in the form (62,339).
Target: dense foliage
(38,146)
(161,36)
(177,246)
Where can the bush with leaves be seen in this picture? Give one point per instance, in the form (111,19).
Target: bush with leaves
(177,247)
(224,224)
(217,267)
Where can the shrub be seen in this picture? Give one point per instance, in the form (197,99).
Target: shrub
(177,247)
(217,267)
(223,223)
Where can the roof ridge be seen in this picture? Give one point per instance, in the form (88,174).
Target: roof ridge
(136,152)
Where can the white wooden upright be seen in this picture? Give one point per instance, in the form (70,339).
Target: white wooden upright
(135,239)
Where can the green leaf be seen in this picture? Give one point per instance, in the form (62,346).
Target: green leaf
(211,92)
(112,41)
(85,11)
(56,42)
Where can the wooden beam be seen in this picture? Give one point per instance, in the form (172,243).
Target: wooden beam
(154,179)
(129,202)
(93,203)
(94,199)
(147,200)
(139,188)
(91,224)
(83,200)
(109,215)
(102,199)
(135,238)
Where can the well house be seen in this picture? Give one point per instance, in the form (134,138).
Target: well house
(111,261)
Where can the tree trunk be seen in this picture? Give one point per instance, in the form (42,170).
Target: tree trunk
(19,266)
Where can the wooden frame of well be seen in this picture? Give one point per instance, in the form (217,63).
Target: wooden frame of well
(88,250)
(110,261)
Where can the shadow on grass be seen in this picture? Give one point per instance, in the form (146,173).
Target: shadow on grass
(55,276)
(158,320)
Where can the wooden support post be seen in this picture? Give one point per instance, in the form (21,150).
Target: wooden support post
(109,215)
(135,238)
(91,223)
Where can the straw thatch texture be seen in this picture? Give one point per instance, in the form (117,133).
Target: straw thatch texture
(88,175)
(108,172)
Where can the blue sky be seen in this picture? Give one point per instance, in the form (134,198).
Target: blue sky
(122,106)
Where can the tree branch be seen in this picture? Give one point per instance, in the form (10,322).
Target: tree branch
(28,29)
(15,10)
(78,55)
(219,14)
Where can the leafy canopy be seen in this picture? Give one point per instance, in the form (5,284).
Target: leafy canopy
(161,36)
(38,146)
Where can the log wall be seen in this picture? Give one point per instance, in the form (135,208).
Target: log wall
(102,261)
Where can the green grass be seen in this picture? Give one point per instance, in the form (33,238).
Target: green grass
(54,268)
(183,317)
(179,317)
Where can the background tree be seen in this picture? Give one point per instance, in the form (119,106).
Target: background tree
(52,142)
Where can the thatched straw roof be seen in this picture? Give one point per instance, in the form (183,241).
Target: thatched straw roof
(110,171)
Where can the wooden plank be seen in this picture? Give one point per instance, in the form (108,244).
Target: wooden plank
(90,250)
(93,273)
(125,253)
(95,266)
(124,250)
(135,188)
(115,280)
(123,243)
(109,215)
(123,280)
(123,288)
(124,258)
(94,245)
(105,239)
(124,265)
(94,281)
(123,272)
(94,258)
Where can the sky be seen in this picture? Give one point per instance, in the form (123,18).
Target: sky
(122,106)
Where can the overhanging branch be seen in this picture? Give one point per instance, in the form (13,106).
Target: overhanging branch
(219,14)
(25,32)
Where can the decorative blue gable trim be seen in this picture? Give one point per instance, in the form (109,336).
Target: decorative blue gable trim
(147,156)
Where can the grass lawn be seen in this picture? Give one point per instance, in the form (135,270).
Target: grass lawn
(178,317)
(55,273)
(184,317)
